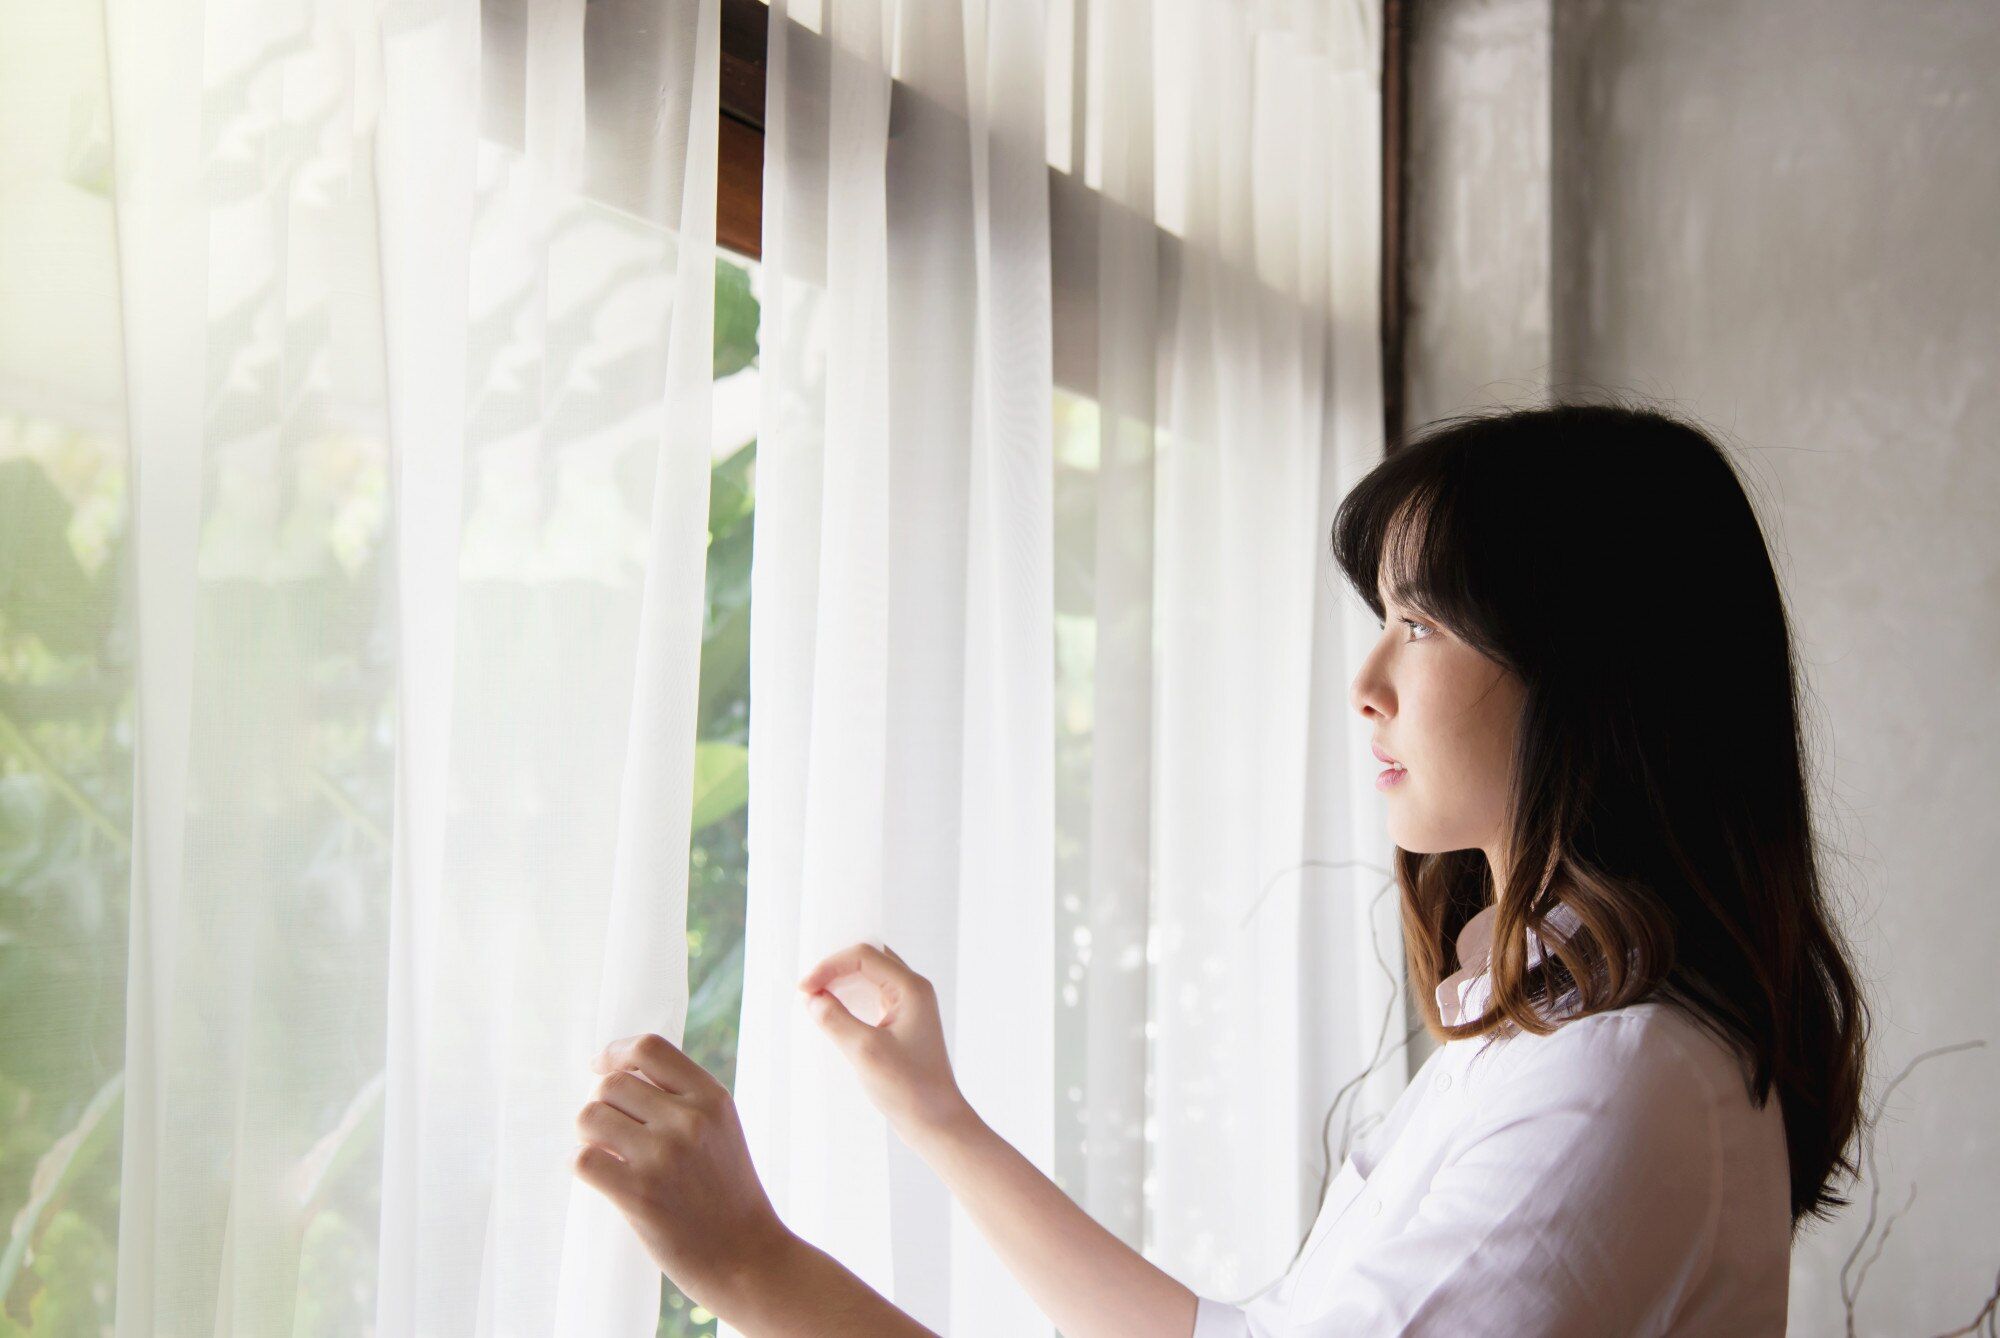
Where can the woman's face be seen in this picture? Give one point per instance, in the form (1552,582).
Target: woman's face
(1448,715)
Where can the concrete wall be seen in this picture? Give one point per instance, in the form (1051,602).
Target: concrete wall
(1782,217)
(1478,330)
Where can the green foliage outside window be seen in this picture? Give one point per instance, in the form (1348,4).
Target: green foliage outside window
(66,733)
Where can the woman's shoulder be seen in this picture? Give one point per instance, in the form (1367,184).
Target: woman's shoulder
(1653,1051)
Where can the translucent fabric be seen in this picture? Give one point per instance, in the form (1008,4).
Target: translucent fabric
(1070,347)
(411,292)
(401,312)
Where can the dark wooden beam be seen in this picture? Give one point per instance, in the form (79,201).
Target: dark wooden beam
(739,182)
(1395,178)
(745,38)
(739,189)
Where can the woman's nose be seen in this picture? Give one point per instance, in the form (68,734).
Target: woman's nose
(1368,694)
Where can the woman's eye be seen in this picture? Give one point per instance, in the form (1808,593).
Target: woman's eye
(1414,624)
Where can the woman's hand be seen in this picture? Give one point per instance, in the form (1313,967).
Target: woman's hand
(663,1143)
(901,1060)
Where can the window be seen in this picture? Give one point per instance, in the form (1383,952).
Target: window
(301,563)
(65,679)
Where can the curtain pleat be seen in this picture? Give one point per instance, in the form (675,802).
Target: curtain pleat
(1049,679)
(1048,669)
(424,248)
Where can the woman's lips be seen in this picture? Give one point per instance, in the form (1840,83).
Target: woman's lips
(1396,770)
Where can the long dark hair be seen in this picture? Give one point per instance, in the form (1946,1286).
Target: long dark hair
(1610,557)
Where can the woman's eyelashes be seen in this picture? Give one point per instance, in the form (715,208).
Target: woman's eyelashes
(1412,624)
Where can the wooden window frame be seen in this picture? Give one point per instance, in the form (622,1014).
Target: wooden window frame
(739,181)
(739,200)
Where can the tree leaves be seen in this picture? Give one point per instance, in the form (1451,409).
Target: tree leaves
(43,588)
(66,1159)
(736,315)
(721,781)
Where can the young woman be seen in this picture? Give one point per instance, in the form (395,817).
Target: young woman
(1652,1041)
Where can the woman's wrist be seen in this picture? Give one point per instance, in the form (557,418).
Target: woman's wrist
(750,1274)
(793,1289)
(785,1285)
(950,1126)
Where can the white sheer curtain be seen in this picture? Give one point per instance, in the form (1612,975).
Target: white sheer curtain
(425,292)
(1049,667)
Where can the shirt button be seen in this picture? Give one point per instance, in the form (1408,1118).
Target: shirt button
(1374,1207)
(1444,1082)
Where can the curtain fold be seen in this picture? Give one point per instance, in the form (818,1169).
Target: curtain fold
(418,323)
(901,736)
(1049,669)
(1278,173)
(1062,372)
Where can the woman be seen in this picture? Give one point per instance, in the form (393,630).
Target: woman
(1652,1041)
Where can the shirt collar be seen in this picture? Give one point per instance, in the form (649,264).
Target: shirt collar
(1463,995)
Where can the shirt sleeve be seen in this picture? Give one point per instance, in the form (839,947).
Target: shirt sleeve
(1219,1319)
(1579,1201)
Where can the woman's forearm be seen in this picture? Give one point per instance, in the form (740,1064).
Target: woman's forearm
(1085,1279)
(797,1290)
(1081,1275)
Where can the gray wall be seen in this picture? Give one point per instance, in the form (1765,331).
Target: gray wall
(1781,216)
(1478,329)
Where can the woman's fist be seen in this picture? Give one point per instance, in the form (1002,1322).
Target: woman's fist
(900,1060)
(661,1140)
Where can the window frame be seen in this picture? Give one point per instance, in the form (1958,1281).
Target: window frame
(739,196)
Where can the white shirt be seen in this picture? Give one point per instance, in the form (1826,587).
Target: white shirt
(1610,1178)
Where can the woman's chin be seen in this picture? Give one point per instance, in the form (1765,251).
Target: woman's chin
(1415,838)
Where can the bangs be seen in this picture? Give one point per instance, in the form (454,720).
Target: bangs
(1396,529)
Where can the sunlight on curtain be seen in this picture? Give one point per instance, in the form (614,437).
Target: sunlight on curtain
(901,736)
(1050,667)
(1270,990)
(405,631)
(65,677)
(1233,1014)
(415,306)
